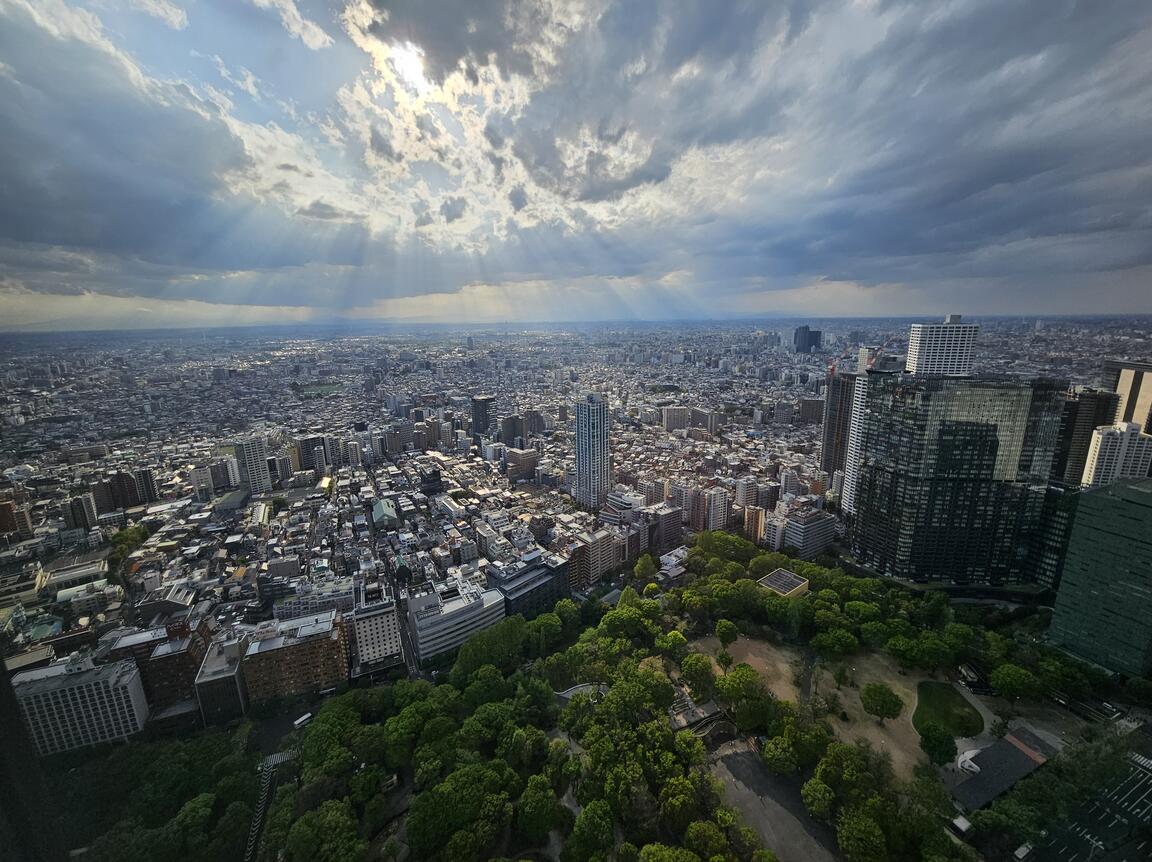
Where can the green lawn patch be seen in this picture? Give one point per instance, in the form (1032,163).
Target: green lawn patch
(941,703)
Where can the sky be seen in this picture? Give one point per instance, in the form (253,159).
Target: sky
(219,162)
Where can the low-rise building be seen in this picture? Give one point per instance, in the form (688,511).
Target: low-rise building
(442,616)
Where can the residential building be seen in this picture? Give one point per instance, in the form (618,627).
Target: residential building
(837,419)
(941,349)
(481,416)
(287,658)
(1085,410)
(593,457)
(374,629)
(1117,452)
(810,532)
(1132,381)
(252,460)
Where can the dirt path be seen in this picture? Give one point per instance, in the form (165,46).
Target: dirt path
(780,666)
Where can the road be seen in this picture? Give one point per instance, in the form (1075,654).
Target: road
(771,805)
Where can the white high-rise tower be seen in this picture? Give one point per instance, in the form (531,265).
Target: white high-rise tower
(941,349)
(1117,452)
(593,457)
(252,458)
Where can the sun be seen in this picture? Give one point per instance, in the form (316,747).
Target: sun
(408,61)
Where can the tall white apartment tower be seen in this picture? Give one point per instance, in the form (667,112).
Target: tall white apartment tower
(1117,452)
(941,349)
(252,458)
(593,457)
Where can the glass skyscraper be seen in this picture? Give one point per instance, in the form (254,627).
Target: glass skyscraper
(951,476)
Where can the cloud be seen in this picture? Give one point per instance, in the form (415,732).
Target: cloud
(308,32)
(165,10)
(805,156)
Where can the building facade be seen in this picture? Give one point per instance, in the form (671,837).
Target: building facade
(74,703)
(951,476)
(941,349)
(593,456)
(1104,605)
(1117,452)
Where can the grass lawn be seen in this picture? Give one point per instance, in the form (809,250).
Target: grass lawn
(942,703)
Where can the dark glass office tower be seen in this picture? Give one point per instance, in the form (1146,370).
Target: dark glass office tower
(952,475)
(1084,411)
(1104,607)
(837,419)
(481,416)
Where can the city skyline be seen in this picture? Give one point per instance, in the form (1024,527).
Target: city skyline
(172,163)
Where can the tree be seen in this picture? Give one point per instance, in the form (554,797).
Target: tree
(644,572)
(860,838)
(592,835)
(881,701)
(325,834)
(704,838)
(724,659)
(779,756)
(673,645)
(696,670)
(835,643)
(1015,682)
(651,591)
(664,853)
(818,798)
(537,814)
(937,743)
(726,632)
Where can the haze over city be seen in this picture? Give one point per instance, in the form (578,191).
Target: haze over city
(171,163)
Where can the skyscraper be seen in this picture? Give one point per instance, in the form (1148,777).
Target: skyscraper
(837,420)
(943,349)
(951,476)
(1132,381)
(1117,452)
(1104,606)
(805,340)
(481,416)
(593,457)
(252,460)
(1085,410)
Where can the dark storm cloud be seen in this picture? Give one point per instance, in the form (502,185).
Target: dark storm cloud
(911,142)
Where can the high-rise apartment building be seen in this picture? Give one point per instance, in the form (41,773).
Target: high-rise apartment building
(74,703)
(810,532)
(252,461)
(1104,606)
(374,629)
(15,519)
(1132,381)
(942,349)
(675,418)
(481,416)
(593,456)
(1117,452)
(80,512)
(951,475)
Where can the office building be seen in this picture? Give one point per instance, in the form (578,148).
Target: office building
(1132,381)
(810,532)
(854,448)
(252,462)
(593,456)
(592,556)
(1085,410)
(481,416)
(533,584)
(837,419)
(1117,452)
(1104,605)
(947,476)
(443,615)
(221,691)
(74,703)
(521,464)
(805,340)
(941,349)
(374,629)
